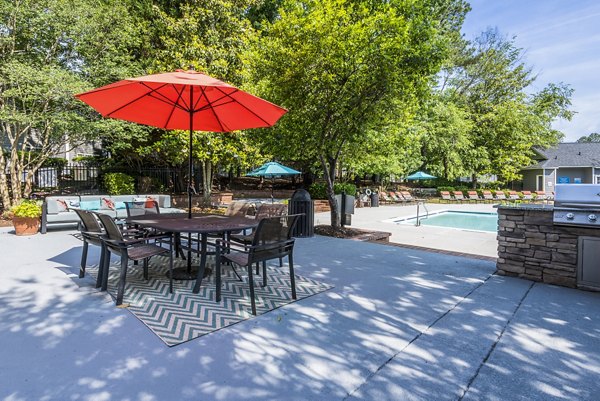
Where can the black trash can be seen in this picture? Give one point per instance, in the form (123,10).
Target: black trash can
(301,203)
(374,199)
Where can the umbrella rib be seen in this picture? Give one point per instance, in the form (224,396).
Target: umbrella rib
(152,91)
(207,106)
(229,95)
(163,98)
(212,109)
(179,96)
(105,88)
(131,101)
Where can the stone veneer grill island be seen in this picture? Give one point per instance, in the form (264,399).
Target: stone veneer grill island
(531,246)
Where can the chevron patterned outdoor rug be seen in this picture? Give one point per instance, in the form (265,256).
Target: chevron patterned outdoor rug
(183,315)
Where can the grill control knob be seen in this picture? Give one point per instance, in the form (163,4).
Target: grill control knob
(592,217)
(570,216)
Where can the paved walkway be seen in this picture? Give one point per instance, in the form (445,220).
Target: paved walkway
(450,239)
(400,324)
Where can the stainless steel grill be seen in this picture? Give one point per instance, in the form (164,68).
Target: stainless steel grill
(577,205)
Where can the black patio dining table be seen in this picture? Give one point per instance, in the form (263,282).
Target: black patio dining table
(202,224)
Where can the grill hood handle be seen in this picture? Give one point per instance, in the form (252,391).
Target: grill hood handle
(578,205)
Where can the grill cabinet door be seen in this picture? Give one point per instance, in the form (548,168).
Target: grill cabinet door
(588,264)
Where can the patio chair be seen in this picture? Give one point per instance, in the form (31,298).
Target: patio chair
(149,207)
(135,249)
(527,196)
(541,196)
(500,195)
(264,211)
(91,233)
(487,196)
(397,197)
(458,196)
(446,196)
(513,196)
(272,240)
(363,200)
(238,208)
(473,196)
(407,196)
(235,209)
(384,197)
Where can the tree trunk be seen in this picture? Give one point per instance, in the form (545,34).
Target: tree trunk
(29,182)
(329,170)
(15,176)
(446,168)
(4,190)
(474,180)
(206,181)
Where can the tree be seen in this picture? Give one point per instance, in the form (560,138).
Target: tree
(52,49)
(210,37)
(445,142)
(214,150)
(487,80)
(343,68)
(593,137)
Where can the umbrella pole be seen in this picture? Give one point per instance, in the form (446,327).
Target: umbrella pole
(190,169)
(190,172)
(272,189)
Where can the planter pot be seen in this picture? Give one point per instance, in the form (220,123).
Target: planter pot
(26,225)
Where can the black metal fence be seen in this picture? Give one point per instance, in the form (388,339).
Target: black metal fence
(89,179)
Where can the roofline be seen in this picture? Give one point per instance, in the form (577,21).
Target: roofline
(554,168)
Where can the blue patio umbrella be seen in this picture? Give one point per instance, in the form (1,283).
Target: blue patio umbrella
(272,170)
(419,175)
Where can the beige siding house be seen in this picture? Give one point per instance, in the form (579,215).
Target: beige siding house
(567,163)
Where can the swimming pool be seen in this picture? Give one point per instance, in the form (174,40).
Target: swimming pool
(476,221)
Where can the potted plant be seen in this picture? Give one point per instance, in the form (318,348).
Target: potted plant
(26,217)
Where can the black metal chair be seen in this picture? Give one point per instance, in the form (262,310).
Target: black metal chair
(134,249)
(264,211)
(238,208)
(272,239)
(91,233)
(150,207)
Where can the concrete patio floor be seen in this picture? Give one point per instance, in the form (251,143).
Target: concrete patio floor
(400,324)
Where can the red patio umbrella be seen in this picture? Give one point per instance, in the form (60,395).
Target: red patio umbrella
(185,100)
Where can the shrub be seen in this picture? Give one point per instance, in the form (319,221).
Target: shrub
(491,185)
(89,160)
(26,208)
(318,190)
(347,187)
(504,191)
(440,189)
(57,162)
(119,184)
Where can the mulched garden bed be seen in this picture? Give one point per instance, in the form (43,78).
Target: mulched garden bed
(337,232)
(352,233)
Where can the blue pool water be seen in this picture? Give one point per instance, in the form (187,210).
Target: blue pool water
(463,220)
